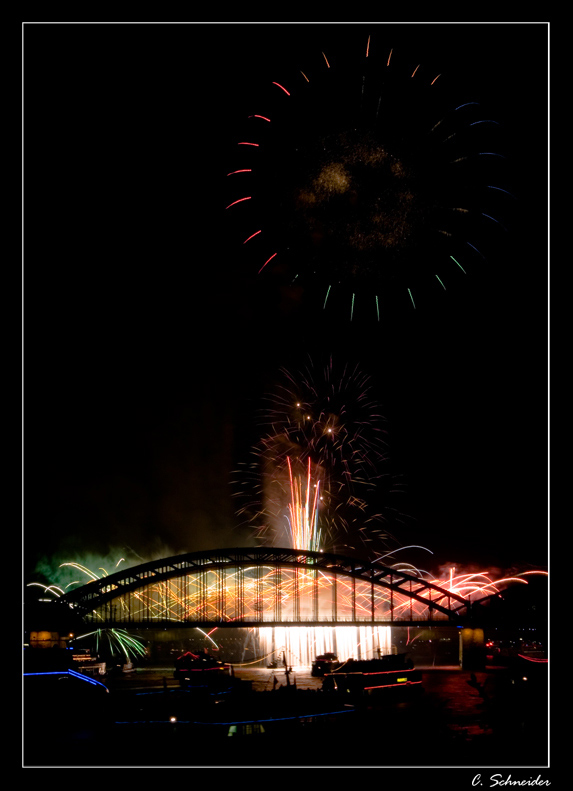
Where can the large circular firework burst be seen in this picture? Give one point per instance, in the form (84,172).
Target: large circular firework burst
(365,179)
(323,452)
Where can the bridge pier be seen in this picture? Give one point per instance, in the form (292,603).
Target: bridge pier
(472,648)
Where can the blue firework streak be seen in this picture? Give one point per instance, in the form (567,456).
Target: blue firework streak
(365,179)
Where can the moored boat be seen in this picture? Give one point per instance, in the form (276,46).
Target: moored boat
(323,664)
(365,677)
(199,669)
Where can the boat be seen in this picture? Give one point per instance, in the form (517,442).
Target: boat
(323,664)
(370,676)
(192,670)
(211,701)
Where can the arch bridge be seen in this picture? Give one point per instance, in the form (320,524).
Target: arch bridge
(263,586)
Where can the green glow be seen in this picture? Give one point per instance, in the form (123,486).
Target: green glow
(326,297)
(377,309)
(440,282)
(458,263)
(412,298)
(352,308)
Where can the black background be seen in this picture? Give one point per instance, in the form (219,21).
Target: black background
(148,339)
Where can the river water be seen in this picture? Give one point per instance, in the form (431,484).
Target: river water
(497,717)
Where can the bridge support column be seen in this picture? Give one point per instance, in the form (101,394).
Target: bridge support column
(472,649)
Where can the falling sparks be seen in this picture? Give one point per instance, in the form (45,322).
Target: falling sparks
(240,200)
(282,88)
(267,262)
(252,236)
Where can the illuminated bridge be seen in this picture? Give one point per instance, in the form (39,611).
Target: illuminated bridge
(264,587)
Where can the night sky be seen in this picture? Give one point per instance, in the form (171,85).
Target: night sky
(149,338)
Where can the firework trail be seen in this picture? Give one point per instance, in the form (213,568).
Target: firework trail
(305,532)
(325,437)
(368,181)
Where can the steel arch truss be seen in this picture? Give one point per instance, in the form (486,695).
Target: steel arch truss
(263,586)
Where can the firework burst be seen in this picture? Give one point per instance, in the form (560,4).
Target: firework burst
(324,455)
(115,642)
(365,178)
